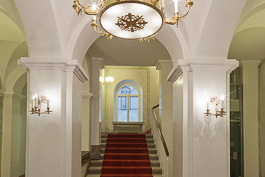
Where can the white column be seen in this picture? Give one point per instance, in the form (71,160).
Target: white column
(250,117)
(53,143)
(166,107)
(6,134)
(103,102)
(201,143)
(97,65)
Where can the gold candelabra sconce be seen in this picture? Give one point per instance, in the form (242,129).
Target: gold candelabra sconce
(106,80)
(217,102)
(39,102)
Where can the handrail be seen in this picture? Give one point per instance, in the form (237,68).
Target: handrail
(159,130)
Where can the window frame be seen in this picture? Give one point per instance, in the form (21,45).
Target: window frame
(117,95)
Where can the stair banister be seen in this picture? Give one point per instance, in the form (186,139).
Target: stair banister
(158,126)
(160,131)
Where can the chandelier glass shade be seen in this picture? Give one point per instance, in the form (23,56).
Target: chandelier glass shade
(130,19)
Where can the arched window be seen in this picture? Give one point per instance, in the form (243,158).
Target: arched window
(127,104)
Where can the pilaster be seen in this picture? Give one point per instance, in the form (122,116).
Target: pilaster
(201,142)
(6,133)
(166,107)
(97,65)
(250,117)
(54,137)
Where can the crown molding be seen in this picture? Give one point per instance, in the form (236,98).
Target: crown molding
(67,65)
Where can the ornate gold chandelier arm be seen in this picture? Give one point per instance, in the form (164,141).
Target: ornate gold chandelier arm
(148,38)
(99,32)
(176,18)
(78,7)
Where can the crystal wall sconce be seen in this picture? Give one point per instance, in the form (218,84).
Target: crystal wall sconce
(216,101)
(39,102)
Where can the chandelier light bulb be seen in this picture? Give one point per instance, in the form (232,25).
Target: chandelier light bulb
(176,2)
(94,6)
(222,97)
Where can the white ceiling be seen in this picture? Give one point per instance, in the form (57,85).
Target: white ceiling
(122,52)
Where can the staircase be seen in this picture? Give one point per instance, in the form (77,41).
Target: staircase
(121,160)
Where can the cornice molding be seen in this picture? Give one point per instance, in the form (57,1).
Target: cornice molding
(87,96)
(212,64)
(54,64)
(201,65)
(162,63)
(178,70)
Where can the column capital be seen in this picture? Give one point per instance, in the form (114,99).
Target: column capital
(2,93)
(8,93)
(87,96)
(64,64)
(100,61)
(254,63)
(162,63)
(198,64)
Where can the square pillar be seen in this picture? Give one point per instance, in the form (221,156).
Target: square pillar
(166,107)
(250,70)
(97,65)
(6,133)
(201,143)
(53,141)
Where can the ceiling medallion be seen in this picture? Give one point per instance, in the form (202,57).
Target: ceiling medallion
(131,22)
(143,28)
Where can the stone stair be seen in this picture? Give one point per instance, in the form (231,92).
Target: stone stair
(96,165)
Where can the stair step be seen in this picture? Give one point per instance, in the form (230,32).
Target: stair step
(147,136)
(99,163)
(97,170)
(151,156)
(150,151)
(98,175)
(104,140)
(149,145)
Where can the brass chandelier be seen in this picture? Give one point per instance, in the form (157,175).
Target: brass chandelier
(130,19)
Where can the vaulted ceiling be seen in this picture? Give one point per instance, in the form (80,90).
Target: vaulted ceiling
(249,39)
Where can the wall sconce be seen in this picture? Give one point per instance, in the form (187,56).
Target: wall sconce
(107,80)
(38,102)
(217,102)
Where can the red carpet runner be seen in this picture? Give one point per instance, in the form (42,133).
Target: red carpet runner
(126,155)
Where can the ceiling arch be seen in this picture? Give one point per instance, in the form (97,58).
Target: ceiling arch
(248,44)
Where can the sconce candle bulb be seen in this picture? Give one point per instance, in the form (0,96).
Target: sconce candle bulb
(217,103)
(37,104)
